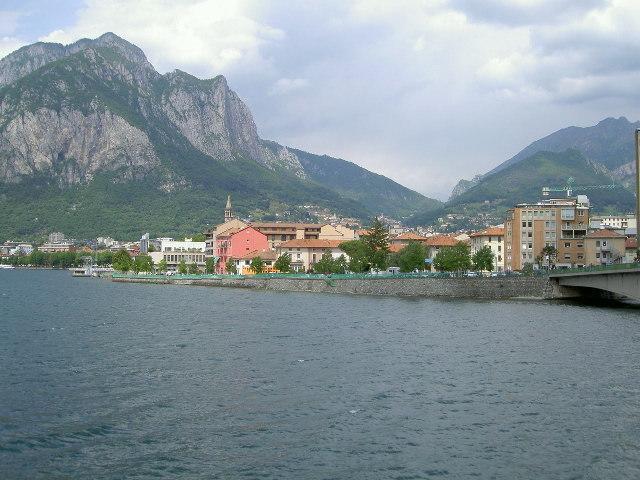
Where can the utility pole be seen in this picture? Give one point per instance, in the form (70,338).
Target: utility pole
(637,191)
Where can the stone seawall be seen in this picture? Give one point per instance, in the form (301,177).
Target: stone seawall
(497,288)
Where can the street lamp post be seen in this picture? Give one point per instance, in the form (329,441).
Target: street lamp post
(637,190)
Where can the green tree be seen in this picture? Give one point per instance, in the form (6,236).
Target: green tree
(37,258)
(193,268)
(483,259)
(104,258)
(527,269)
(230,266)
(122,261)
(199,237)
(340,264)
(162,266)
(182,267)
(359,255)
(142,263)
(210,265)
(550,254)
(257,265)
(283,263)
(411,257)
(377,241)
(453,259)
(326,263)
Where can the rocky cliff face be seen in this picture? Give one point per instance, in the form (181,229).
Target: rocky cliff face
(94,126)
(206,112)
(72,146)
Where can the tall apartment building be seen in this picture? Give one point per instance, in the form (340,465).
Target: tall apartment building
(562,223)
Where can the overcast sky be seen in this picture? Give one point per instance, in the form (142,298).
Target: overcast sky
(425,91)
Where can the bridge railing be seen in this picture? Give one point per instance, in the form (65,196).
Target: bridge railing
(599,268)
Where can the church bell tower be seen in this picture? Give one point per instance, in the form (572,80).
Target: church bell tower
(228,212)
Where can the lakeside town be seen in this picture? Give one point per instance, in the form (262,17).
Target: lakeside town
(552,233)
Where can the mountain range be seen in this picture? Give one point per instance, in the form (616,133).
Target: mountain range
(93,140)
(603,154)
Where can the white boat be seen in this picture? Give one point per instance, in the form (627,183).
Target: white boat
(6,267)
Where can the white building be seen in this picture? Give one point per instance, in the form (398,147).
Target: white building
(108,242)
(493,237)
(56,237)
(173,252)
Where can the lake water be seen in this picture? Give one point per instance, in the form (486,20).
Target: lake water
(109,380)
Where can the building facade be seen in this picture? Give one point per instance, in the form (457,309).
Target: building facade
(336,232)
(173,252)
(560,223)
(279,232)
(435,243)
(604,247)
(268,257)
(306,252)
(236,243)
(492,237)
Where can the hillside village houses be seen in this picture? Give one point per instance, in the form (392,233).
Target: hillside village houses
(565,224)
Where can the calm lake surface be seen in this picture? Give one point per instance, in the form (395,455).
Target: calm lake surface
(108,380)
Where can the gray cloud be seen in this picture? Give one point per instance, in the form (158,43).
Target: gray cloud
(423,92)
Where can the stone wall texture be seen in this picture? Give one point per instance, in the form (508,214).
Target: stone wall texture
(476,288)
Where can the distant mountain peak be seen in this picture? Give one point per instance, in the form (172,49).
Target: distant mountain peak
(96,112)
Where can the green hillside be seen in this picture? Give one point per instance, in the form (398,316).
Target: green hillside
(181,189)
(487,201)
(375,191)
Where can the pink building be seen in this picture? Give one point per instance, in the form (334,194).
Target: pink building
(236,243)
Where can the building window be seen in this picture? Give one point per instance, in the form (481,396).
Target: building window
(604,243)
(597,255)
(567,256)
(597,243)
(567,244)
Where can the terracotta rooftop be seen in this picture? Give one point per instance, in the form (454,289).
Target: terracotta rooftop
(441,241)
(396,247)
(311,243)
(489,232)
(263,254)
(631,243)
(604,233)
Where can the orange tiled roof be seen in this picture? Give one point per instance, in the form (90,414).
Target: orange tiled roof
(604,233)
(263,254)
(441,241)
(311,243)
(396,247)
(631,243)
(489,232)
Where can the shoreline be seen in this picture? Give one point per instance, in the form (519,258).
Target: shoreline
(482,288)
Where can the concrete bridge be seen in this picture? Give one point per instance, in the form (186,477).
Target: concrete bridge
(597,282)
